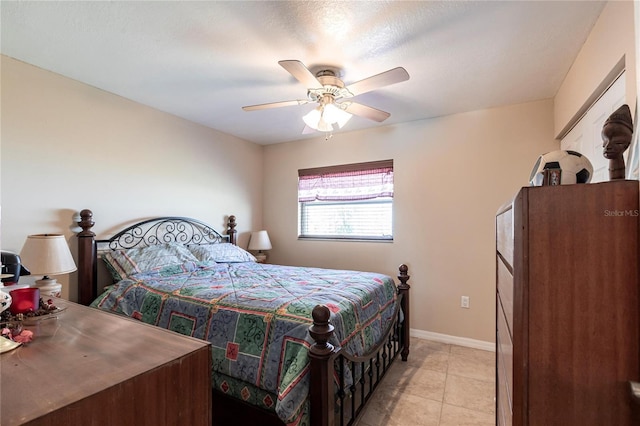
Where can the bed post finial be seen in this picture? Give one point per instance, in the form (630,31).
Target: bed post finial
(403,277)
(321,364)
(403,290)
(231,230)
(321,331)
(86,223)
(87,264)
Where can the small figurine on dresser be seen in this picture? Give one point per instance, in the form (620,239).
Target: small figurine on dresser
(616,136)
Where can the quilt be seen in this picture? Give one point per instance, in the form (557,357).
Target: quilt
(256,317)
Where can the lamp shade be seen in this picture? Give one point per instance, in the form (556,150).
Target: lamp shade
(259,241)
(47,254)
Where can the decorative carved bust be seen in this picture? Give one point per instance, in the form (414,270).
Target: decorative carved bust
(616,136)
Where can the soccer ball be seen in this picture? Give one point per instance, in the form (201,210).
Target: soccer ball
(574,168)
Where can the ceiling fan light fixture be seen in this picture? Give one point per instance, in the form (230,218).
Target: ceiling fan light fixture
(334,114)
(325,116)
(324,126)
(312,118)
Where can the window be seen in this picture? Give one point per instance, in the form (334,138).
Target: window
(351,201)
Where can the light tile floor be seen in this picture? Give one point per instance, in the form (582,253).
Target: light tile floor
(439,385)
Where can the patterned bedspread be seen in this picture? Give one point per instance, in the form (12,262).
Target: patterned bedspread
(256,317)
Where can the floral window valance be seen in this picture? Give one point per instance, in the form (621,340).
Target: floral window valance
(350,182)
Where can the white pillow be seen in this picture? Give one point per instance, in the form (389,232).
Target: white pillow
(221,253)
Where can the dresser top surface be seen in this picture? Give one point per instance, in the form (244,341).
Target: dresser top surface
(78,353)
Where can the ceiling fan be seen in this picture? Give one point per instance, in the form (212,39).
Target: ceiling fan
(327,89)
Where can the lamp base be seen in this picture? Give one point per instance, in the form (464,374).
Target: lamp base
(49,287)
(261,257)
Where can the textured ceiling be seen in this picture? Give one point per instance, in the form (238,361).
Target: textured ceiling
(204,60)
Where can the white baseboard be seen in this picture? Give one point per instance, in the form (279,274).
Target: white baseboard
(453,340)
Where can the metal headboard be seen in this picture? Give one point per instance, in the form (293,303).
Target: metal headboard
(160,230)
(182,230)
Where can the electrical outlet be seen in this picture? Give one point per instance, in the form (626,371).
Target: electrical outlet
(464,302)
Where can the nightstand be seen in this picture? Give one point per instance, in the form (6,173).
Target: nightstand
(92,367)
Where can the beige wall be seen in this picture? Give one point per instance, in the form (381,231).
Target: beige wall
(67,146)
(451,176)
(610,48)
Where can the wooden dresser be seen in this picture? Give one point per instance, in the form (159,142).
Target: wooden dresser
(89,367)
(567,306)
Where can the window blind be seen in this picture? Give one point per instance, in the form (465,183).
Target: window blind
(351,201)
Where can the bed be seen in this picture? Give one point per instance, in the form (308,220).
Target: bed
(290,345)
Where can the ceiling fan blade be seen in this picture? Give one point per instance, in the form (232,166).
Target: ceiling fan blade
(307,130)
(367,112)
(301,73)
(386,78)
(275,105)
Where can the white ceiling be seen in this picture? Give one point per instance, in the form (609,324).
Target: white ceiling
(204,60)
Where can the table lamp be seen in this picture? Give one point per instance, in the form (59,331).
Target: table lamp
(260,241)
(47,254)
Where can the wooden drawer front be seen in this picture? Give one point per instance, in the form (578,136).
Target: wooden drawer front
(505,349)
(504,410)
(501,420)
(505,290)
(504,235)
